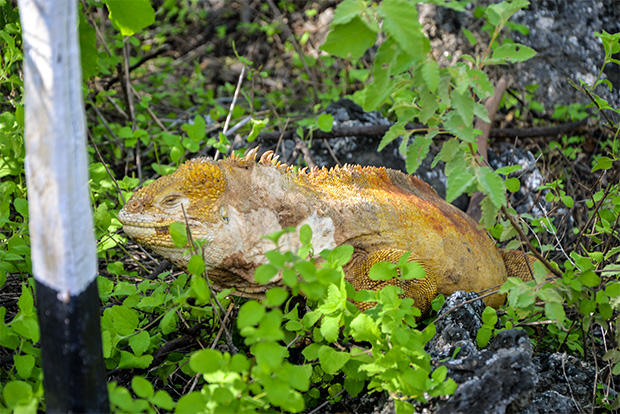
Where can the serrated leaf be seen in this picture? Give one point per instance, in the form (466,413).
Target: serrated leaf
(347,10)
(458,183)
(492,185)
(430,73)
(464,105)
(349,40)
(400,21)
(331,360)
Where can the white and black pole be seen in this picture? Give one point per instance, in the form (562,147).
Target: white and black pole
(64,258)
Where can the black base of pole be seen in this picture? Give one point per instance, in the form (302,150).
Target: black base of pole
(74,375)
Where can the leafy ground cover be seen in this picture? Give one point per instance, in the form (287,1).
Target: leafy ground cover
(168,81)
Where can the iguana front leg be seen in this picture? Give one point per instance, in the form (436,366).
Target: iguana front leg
(422,291)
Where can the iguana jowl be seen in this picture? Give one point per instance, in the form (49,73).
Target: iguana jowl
(382,213)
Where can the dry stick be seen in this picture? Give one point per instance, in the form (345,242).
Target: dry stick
(531,248)
(228,336)
(380,130)
(232,107)
(474,209)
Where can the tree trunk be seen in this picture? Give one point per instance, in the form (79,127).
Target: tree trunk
(64,258)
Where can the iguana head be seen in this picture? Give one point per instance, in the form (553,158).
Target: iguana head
(222,210)
(192,194)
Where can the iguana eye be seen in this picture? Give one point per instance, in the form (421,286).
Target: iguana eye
(224,214)
(171,201)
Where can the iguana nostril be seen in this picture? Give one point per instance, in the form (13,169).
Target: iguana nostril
(135,206)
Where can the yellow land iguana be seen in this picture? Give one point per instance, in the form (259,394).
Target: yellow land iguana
(382,213)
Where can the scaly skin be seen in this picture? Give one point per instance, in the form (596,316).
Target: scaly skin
(382,213)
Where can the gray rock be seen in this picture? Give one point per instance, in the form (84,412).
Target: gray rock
(562,33)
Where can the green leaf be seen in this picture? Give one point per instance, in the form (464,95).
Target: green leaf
(250,314)
(24,365)
(276,296)
(412,270)
(383,271)
(305,234)
(196,265)
(207,360)
(129,361)
(16,392)
(458,184)
(163,400)
(400,20)
(140,343)
(178,233)
(331,360)
(330,328)
(194,402)
(325,122)
(125,319)
(489,316)
(364,328)
(347,10)
(299,376)
(555,312)
(464,105)
(269,355)
(430,73)
(142,387)
(349,40)
(340,256)
(130,16)
(88,48)
(169,322)
(513,184)
(513,52)
(603,163)
(483,336)
(492,185)
(264,273)
(589,278)
(196,131)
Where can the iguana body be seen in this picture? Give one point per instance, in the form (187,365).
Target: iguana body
(382,213)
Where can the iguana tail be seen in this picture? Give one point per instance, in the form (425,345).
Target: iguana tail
(519,264)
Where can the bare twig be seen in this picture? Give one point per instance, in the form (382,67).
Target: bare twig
(232,106)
